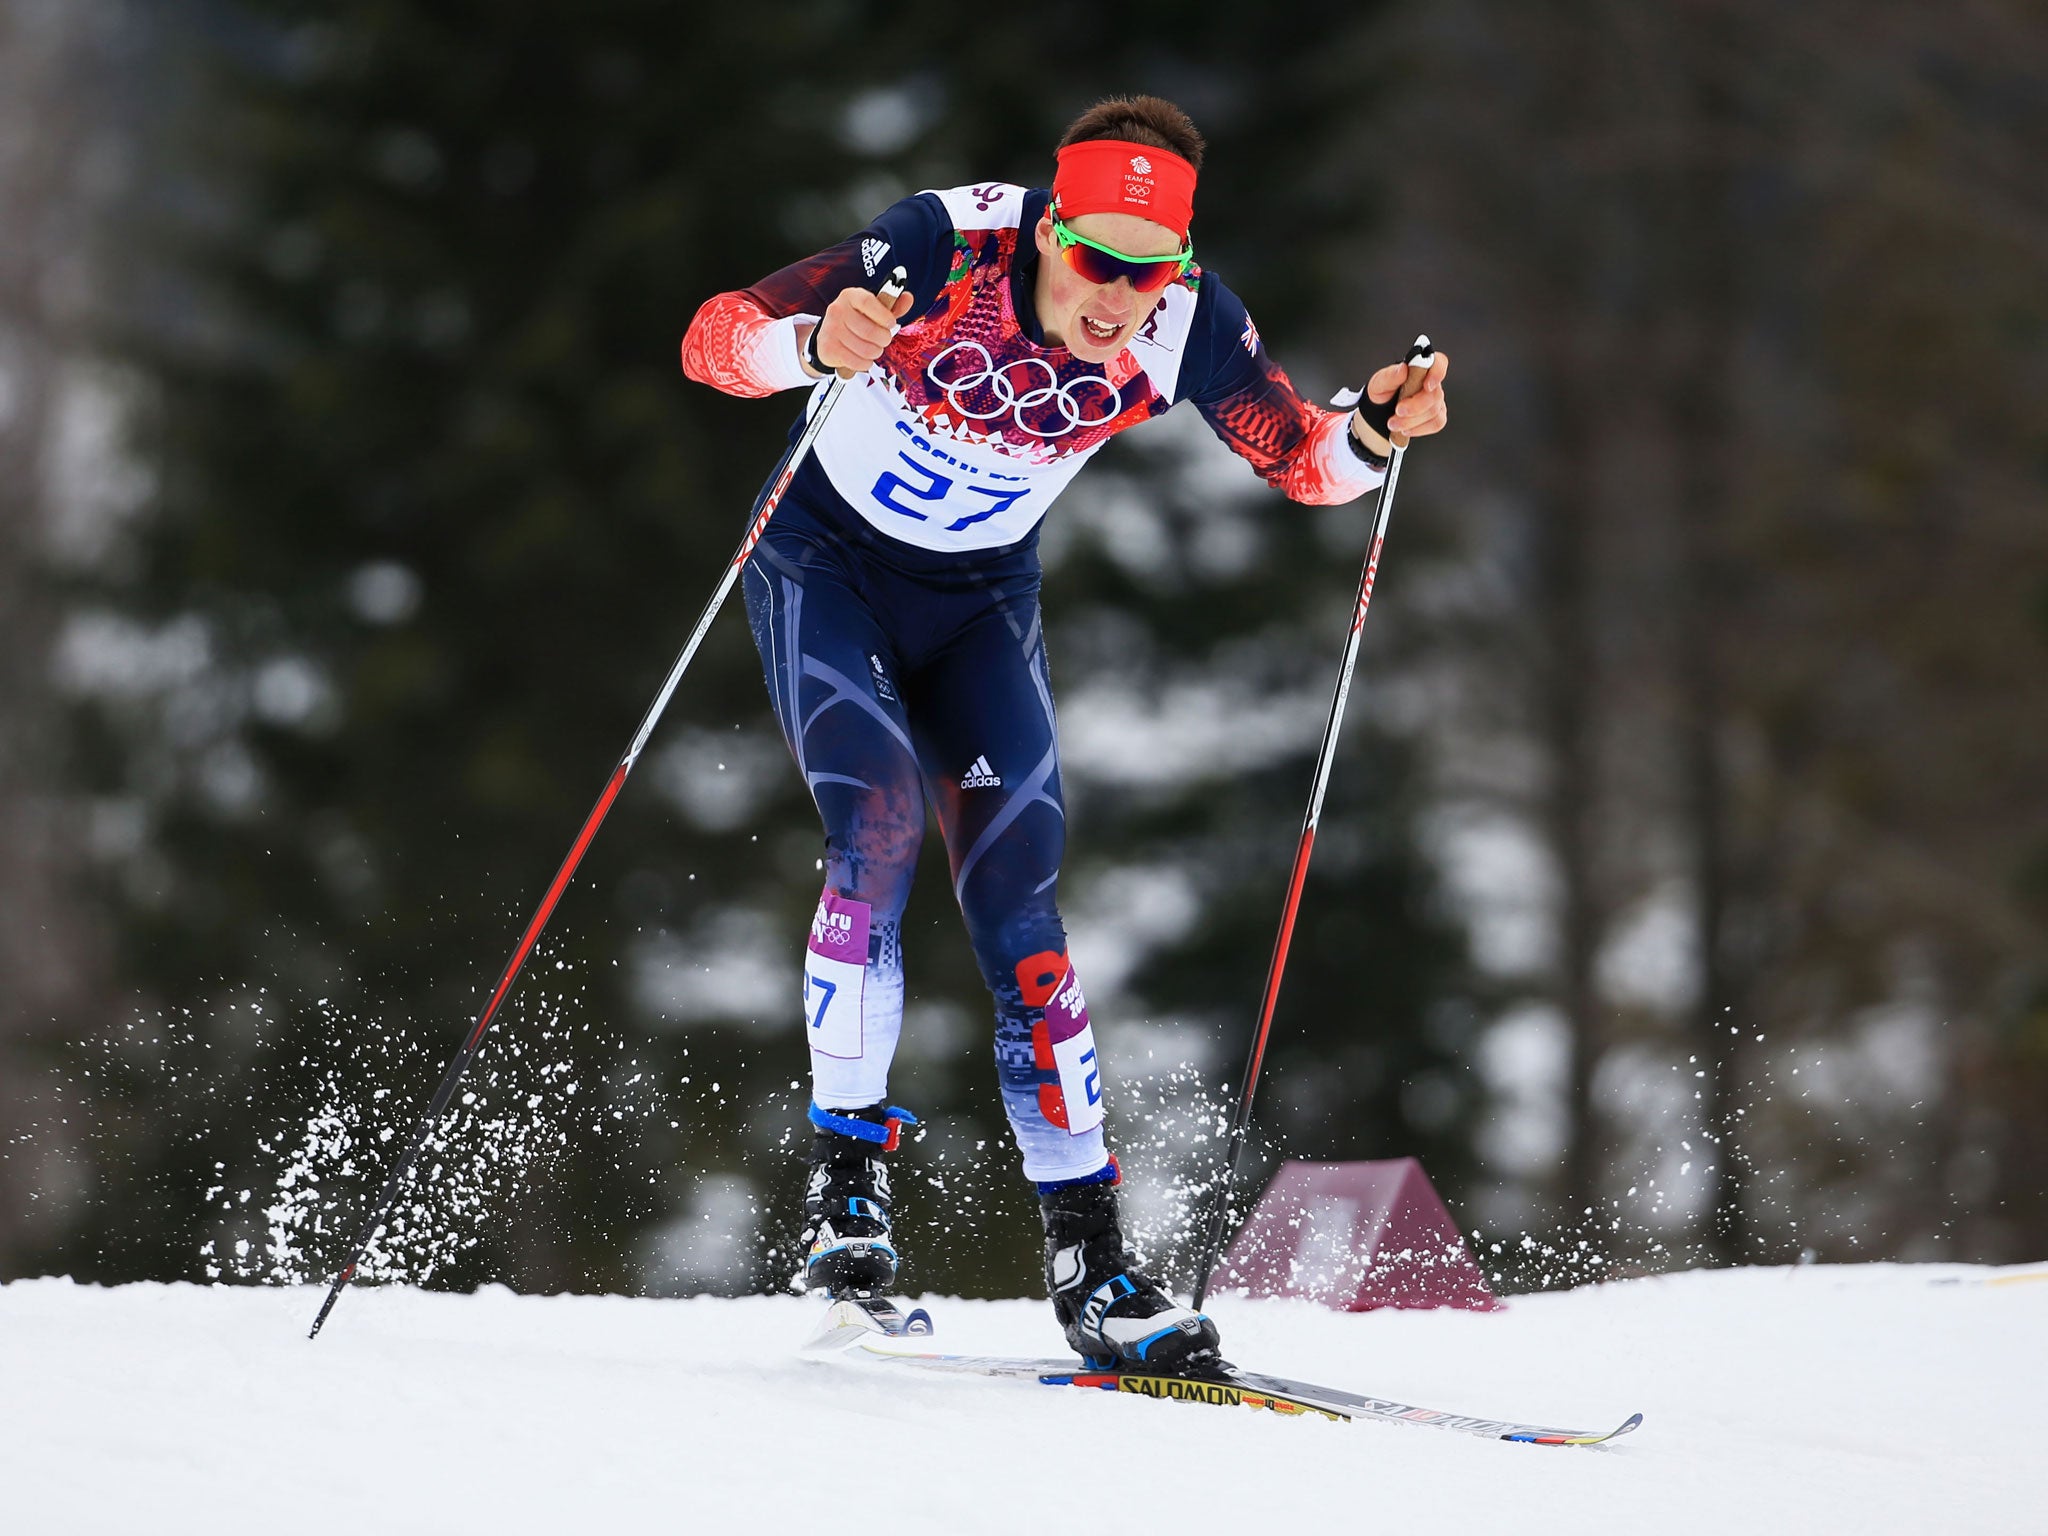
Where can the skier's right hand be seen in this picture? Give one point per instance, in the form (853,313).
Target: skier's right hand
(857,329)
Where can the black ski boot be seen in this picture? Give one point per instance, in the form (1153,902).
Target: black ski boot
(1111,1312)
(846,1204)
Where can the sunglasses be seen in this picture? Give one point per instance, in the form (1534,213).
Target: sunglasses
(1104,264)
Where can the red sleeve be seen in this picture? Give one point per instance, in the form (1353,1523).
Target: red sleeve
(1297,448)
(745,342)
(728,347)
(734,346)
(1249,402)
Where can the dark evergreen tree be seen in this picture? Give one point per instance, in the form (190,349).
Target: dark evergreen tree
(437,507)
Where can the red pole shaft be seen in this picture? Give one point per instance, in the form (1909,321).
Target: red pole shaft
(438,1105)
(1419,359)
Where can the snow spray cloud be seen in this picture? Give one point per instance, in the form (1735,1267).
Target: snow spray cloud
(267,1126)
(543,1093)
(1169,1135)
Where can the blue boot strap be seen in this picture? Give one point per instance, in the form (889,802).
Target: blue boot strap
(884,1135)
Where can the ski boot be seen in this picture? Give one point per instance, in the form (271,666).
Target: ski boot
(846,1204)
(1114,1315)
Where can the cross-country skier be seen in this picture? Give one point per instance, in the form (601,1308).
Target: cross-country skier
(894,599)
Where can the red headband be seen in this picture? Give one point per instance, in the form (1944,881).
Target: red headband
(1116,176)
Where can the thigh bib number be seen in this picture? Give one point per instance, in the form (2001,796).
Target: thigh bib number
(1073,1054)
(835,969)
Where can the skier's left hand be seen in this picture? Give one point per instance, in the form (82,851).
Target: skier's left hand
(1422,413)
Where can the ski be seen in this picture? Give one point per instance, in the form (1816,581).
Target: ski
(1227,1387)
(863,1314)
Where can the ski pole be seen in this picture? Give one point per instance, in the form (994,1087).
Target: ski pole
(437,1106)
(1420,357)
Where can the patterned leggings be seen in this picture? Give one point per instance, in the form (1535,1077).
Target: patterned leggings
(902,678)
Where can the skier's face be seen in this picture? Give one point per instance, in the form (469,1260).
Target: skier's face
(1095,321)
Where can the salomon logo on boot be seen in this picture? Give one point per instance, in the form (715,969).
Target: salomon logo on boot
(1107,1308)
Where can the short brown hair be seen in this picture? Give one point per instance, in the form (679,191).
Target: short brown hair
(1139,120)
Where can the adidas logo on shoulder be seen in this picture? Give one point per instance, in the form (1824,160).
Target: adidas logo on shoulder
(871,253)
(981,776)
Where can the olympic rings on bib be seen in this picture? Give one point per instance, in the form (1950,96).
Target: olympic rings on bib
(991,383)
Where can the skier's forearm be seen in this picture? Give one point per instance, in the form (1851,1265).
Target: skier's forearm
(1297,448)
(735,346)
(1324,468)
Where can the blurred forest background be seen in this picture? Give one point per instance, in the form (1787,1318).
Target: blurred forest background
(1683,894)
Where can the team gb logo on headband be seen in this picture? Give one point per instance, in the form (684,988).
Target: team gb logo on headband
(1138,182)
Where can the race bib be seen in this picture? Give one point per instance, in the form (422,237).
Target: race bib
(835,970)
(1073,1054)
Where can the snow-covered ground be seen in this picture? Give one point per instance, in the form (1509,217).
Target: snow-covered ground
(1821,1400)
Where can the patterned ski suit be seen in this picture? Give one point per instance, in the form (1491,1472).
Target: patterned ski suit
(894,599)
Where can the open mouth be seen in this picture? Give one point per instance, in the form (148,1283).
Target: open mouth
(1098,331)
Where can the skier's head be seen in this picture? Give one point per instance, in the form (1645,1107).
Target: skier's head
(1124,189)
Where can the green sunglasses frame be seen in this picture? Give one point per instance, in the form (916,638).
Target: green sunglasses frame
(1185,256)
